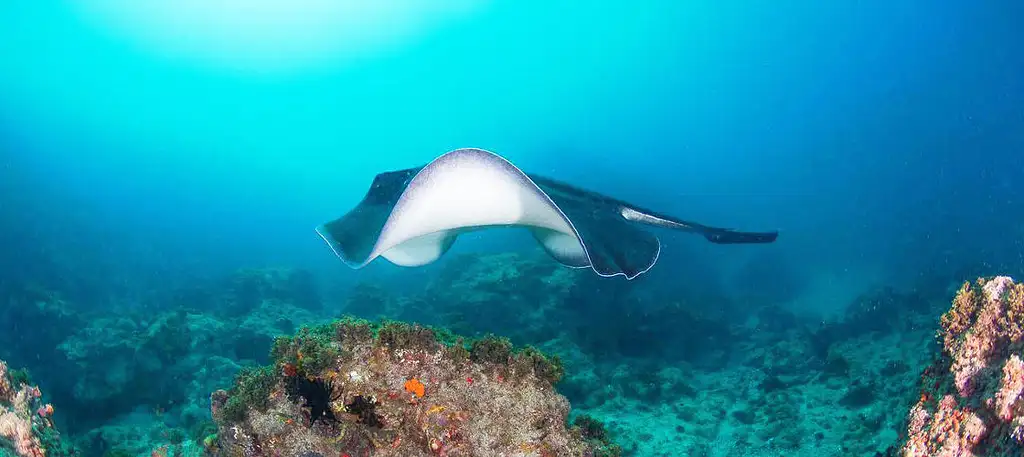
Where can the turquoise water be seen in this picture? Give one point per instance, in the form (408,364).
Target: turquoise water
(149,147)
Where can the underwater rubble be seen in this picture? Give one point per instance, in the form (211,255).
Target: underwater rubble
(394,389)
(26,423)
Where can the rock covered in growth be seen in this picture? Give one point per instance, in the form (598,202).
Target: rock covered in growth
(121,362)
(392,389)
(26,427)
(971,403)
(247,288)
(489,293)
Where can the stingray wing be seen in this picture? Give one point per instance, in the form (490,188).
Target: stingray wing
(353,236)
(614,245)
(412,217)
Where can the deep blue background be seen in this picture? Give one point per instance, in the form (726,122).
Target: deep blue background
(142,148)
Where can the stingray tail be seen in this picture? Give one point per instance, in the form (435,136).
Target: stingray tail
(723,236)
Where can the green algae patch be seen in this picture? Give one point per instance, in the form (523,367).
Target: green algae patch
(311,351)
(314,349)
(199,431)
(354,329)
(401,335)
(19,377)
(429,391)
(595,433)
(491,349)
(251,391)
(457,351)
(548,368)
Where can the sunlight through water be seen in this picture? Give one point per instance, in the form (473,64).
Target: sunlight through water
(272,35)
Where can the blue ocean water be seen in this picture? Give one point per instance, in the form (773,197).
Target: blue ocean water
(150,146)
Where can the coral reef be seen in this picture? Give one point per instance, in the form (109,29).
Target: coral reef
(30,303)
(247,289)
(26,423)
(668,369)
(166,361)
(495,293)
(392,389)
(776,391)
(883,311)
(250,287)
(970,402)
(133,353)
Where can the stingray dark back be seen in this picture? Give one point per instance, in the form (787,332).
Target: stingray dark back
(354,235)
(615,245)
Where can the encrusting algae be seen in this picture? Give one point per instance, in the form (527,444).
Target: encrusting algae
(485,398)
(26,423)
(972,395)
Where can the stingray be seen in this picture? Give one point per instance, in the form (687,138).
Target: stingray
(412,217)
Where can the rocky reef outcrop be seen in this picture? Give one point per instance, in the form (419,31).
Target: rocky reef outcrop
(971,401)
(26,423)
(392,389)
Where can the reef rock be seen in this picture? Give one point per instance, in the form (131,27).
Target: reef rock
(490,293)
(971,402)
(26,425)
(248,288)
(363,389)
(123,362)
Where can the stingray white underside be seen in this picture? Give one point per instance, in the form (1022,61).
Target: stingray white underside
(466,190)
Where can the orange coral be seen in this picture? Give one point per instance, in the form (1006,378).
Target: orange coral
(290,370)
(415,386)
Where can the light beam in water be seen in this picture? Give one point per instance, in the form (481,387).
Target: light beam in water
(272,35)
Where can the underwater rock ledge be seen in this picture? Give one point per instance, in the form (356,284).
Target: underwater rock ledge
(358,388)
(971,401)
(26,423)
